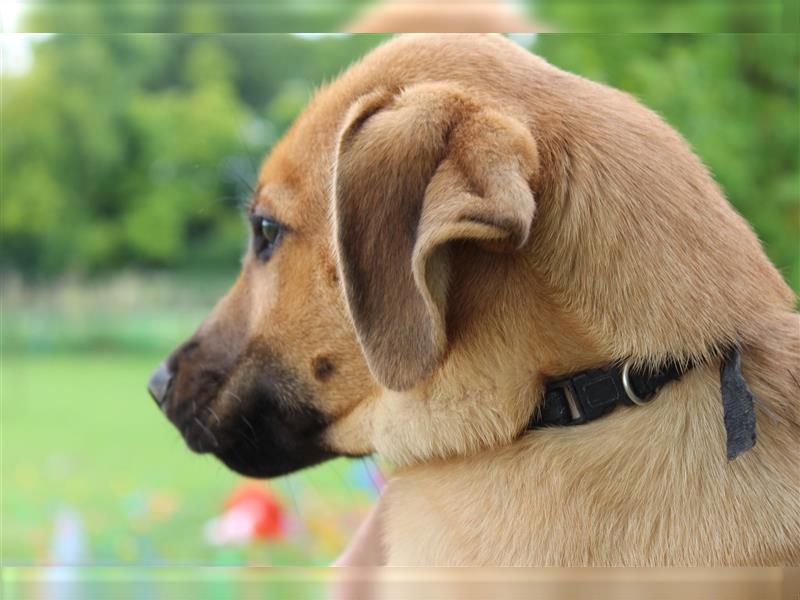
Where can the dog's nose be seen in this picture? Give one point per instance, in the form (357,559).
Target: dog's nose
(159,384)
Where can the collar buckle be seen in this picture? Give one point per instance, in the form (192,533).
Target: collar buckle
(570,408)
(582,397)
(628,388)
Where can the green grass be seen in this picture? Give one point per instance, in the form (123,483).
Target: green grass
(79,431)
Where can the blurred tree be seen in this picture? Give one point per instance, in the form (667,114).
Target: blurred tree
(135,150)
(190,16)
(680,16)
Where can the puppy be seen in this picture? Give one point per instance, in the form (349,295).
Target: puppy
(448,228)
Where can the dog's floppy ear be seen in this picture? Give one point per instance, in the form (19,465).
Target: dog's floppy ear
(415,170)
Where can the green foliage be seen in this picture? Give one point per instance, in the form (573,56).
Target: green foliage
(135,150)
(632,16)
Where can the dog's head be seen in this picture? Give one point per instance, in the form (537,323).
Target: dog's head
(397,292)
(343,293)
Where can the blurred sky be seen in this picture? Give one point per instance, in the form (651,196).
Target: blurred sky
(16,47)
(9,14)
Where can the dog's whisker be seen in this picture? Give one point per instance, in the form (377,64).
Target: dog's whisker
(345,481)
(307,474)
(288,480)
(194,408)
(247,152)
(213,414)
(250,426)
(234,396)
(251,440)
(244,181)
(237,200)
(247,439)
(207,431)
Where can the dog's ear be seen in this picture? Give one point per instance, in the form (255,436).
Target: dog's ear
(415,170)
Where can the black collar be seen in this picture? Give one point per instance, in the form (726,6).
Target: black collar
(588,395)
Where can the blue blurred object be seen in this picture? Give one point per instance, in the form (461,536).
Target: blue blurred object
(367,477)
(68,545)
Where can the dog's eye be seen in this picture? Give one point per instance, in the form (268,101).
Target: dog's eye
(266,235)
(270,230)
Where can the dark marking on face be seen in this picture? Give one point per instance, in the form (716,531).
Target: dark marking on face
(323,368)
(332,275)
(256,415)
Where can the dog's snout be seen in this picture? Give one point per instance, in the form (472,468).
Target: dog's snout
(159,384)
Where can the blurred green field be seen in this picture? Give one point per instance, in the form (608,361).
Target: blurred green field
(81,438)
(80,432)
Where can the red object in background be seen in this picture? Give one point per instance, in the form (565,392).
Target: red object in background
(264,510)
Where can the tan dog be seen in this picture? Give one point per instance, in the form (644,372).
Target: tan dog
(446,227)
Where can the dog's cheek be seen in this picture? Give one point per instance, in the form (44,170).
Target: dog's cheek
(351,400)
(396,433)
(352,434)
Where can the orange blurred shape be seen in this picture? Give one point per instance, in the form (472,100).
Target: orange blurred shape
(264,510)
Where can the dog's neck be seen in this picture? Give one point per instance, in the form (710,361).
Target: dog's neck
(643,485)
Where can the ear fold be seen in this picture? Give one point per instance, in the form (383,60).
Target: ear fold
(413,172)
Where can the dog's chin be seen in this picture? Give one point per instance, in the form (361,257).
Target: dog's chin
(262,456)
(272,462)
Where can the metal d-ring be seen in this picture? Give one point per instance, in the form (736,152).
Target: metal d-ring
(626,385)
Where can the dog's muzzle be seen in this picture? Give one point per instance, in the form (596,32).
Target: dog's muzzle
(260,423)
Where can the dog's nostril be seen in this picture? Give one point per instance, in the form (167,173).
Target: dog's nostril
(159,384)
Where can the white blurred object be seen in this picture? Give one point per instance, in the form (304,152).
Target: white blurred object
(68,550)
(68,545)
(236,526)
